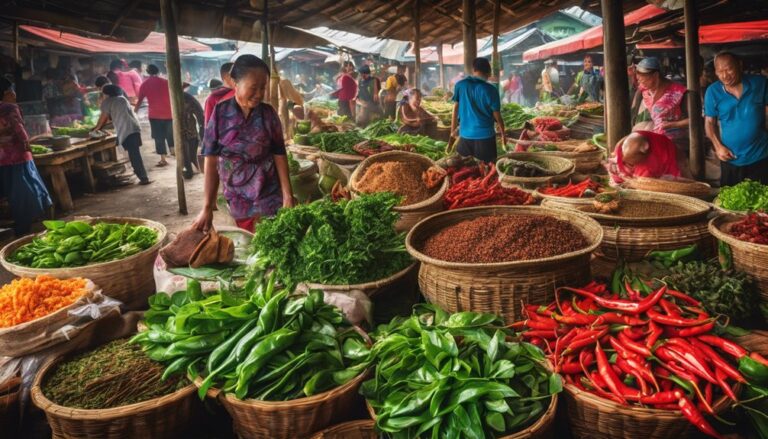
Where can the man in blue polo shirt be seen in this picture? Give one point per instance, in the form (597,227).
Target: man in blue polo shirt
(476,106)
(738,102)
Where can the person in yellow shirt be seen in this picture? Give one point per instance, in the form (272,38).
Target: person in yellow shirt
(394,84)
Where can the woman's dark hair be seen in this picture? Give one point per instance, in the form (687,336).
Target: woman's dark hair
(116,64)
(243,63)
(400,78)
(135,64)
(101,81)
(226,68)
(482,65)
(112,90)
(5,85)
(152,69)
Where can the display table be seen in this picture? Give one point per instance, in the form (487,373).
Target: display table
(78,158)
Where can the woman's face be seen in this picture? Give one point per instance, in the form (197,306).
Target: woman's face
(251,88)
(648,81)
(414,100)
(9,97)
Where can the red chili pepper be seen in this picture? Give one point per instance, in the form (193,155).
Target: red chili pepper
(585,340)
(674,320)
(722,380)
(684,297)
(667,397)
(576,319)
(759,358)
(633,346)
(560,344)
(541,324)
(547,335)
(626,306)
(726,346)
(690,331)
(607,373)
(717,360)
(655,332)
(631,292)
(689,360)
(634,361)
(670,308)
(634,333)
(626,368)
(695,417)
(616,318)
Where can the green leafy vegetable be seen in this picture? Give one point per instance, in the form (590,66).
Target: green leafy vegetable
(339,142)
(515,116)
(426,146)
(747,195)
(381,127)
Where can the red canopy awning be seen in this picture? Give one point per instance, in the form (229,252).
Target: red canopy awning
(718,34)
(154,43)
(588,39)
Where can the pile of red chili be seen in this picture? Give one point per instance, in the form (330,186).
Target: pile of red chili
(655,351)
(753,228)
(573,190)
(549,129)
(480,186)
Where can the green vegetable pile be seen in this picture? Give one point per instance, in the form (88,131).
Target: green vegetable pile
(426,146)
(259,342)
(39,149)
(441,109)
(343,243)
(515,116)
(455,376)
(378,128)
(747,195)
(75,243)
(340,142)
(74,131)
(293,164)
(327,104)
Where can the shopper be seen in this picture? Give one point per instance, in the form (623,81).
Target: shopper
(513,89)
(244,149)
(643,154)
(155,90)
(224,91)
(115,107)
(192,130)
(588,82)
(129,81)
(550,81)
(415,119)
(476,106)
(367,97)
(394,83)
(346,90)
(735,107)
(20,182)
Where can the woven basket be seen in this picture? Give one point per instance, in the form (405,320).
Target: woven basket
(165,417)
(500,288)
(412,213)
(350,430)
(563,168)
(592,417)
(696,189)
(342,159)
(130,280)
(295,419)
(584,162)
(371,289)
(747,257)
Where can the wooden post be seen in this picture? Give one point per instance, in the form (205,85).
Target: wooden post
(617,103)
(16,43)
(469,27)
(496,64)
(173,62)
(692,74)
(440,64)
(265,33)
(417,43)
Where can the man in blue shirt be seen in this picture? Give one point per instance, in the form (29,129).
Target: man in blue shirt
(476,106)
(738,102)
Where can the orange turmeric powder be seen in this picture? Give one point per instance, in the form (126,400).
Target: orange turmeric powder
(27,299)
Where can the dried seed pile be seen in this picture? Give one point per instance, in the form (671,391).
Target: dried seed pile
(401,178)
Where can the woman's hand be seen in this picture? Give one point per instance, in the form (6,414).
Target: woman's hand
(204,220)
(289,201)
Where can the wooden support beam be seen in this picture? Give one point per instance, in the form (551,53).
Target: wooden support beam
(441,64)
(173,62)
(16,56)
(265,32)
(504,8)
(126,12)
(469,33)
(496,64)
(417,43)
(692,74)
(616,81)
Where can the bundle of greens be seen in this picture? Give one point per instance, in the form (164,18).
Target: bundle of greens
(515,116)
(75,243)
(381,127)
(258,342)
(426,146)
(343,243)
(39,149)
(747,195)
(337,142)
(293,165)
(457,376)
(76,130)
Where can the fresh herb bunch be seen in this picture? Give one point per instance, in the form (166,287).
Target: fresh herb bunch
(75,243)
(457,376)
(515,116)
(426,146)
(747,195)
(339,142)
(727,292)
(343,243)
(380,127)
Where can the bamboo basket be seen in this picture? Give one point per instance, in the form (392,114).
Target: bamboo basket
(592,417)
(695,189)
(584,162)
(501,287)
(165,417)
(130,280)
(303,151)
(295,419)
(364,429)
(412,213)
(562,166)
(342,159)
(398,280)
(747,257)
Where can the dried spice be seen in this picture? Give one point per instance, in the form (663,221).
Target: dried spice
(504,238)
(113,375)
(642,209)
(27,299)
(398,177)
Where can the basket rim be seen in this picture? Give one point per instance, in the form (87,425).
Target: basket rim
(724,219)
(596,239)
(393,156)
(511,179)
(367,285)
(49,407)
(346,158)
(5,253)
(344,426)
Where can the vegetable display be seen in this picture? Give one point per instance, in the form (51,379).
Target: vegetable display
(367,148)
(747,195)
(655,350)
(441,109)
(113,375)
(293,164)
(259,343)
(378,128)
(76,130)
(479,186)
(521,168)
(76,243)
(23,300)
(515,116)
(39,149)
(584,189)
(338,142)
(426,146)
(343,243)
(753,228)
(455,376)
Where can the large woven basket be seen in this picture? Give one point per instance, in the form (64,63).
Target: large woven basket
(165,417)
(562,167)
(399,281)
(412,213)
(364,429)
(128,280)
(696,189)
(584,162)
(500,288)
(592,417)
(747,257)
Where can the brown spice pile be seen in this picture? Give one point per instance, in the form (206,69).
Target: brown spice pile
(504,238)
(645,209)
(401,178)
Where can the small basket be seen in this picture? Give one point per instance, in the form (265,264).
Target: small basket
(747,257)
(562,167)
(397,281)
(695,189)
(365,429)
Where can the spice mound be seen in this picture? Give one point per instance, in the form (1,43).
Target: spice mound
(504,238)
(753,228)
(399,177)
(640,209)
(116,374)
(26,299)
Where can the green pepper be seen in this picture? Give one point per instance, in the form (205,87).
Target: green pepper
(227,349)
(194,290)
(260,355)
(753,370)
(196,344)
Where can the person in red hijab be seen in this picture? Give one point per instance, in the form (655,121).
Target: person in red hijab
(644,154)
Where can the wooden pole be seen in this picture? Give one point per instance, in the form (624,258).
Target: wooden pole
(16,43)
(692,74)
(617,102)
(469,28)
(265,33)
(496,64)
(417,43)
(173,62)
(441,64)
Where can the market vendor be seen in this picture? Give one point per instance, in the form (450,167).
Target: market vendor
(588,82)
(224,91)
(415,119)
(367,97)
(244,148)
(643,154)
(20,181)
(476,105)
(735,108)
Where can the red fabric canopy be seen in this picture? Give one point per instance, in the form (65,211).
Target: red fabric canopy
(588,39)
(154,43)
(719,34)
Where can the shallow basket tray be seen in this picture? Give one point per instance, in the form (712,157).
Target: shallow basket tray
(364,429)
(695,189)
(341,159)
(748,257)
(371,289)
(561,166)
(165,417)
(129,280)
